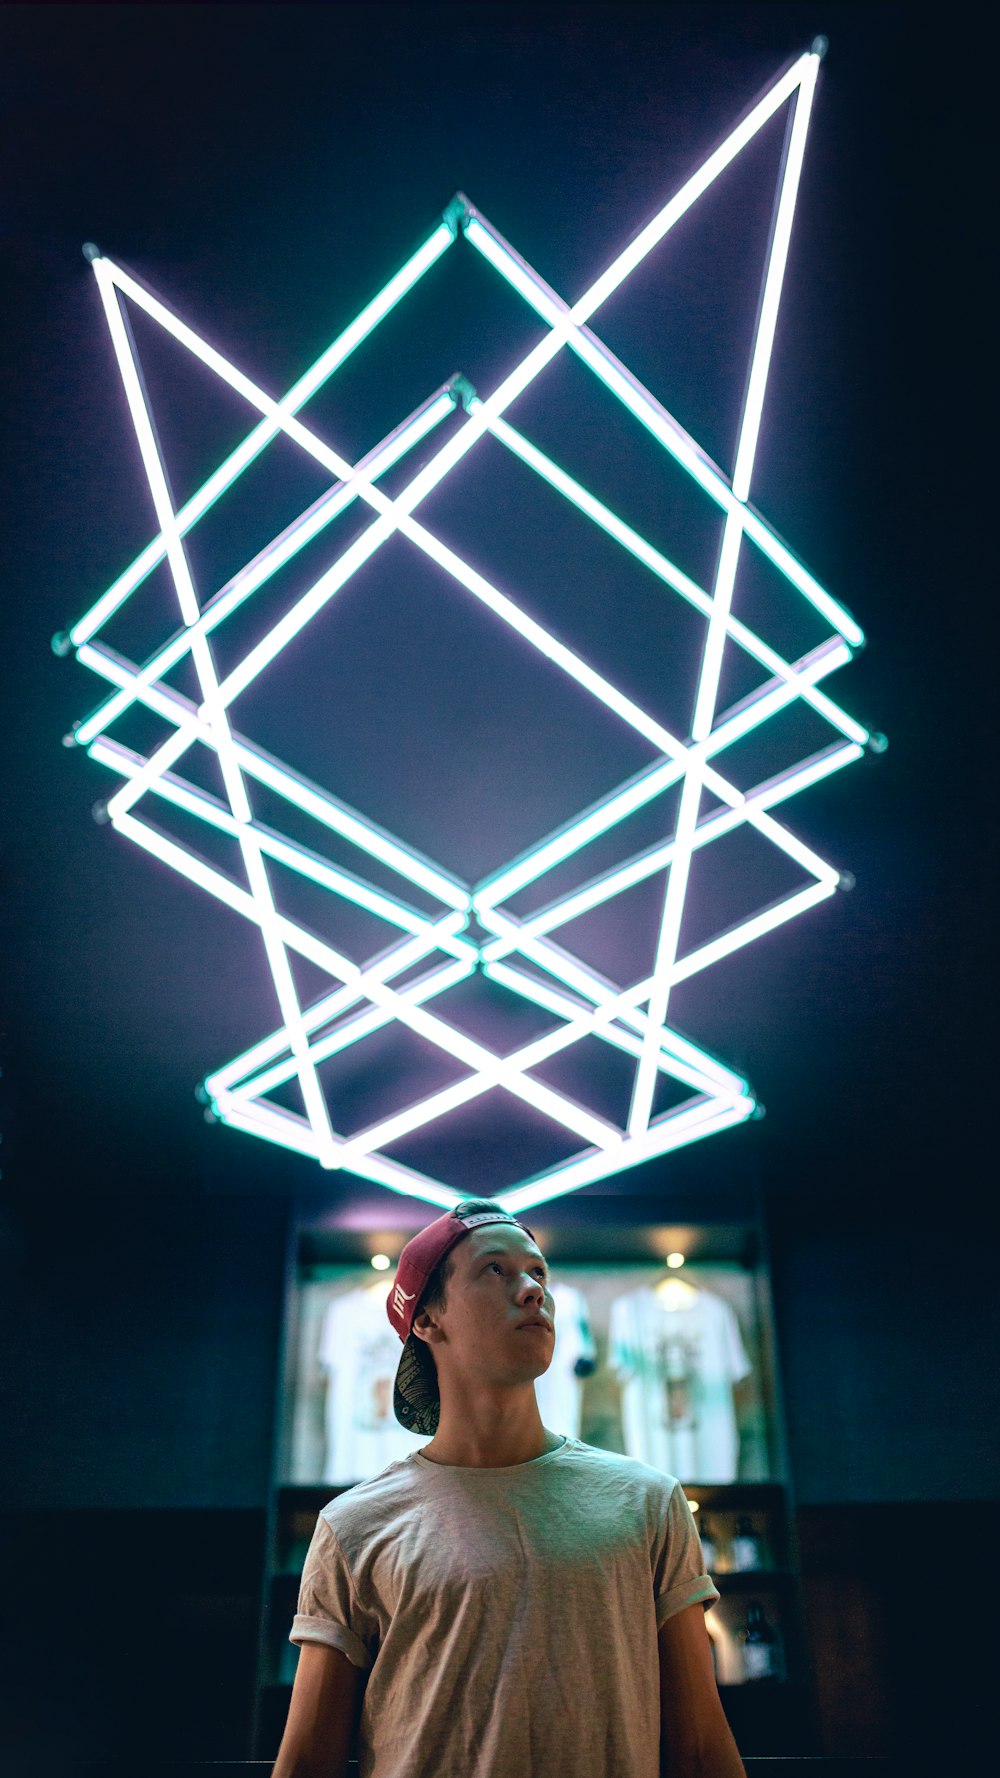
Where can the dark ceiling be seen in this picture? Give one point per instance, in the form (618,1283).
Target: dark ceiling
(265,169)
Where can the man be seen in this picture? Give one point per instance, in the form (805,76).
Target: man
(504,1602)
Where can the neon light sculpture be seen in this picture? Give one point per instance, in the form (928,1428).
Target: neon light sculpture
(520,953)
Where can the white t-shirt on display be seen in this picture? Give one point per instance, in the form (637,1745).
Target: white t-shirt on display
(359,1350)
(677,1367)
(559,1390)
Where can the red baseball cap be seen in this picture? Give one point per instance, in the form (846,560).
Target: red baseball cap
(416,1401)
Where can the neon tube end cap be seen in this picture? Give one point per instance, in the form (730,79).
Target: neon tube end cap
(91,251)
(819,46)
(456,213)
(462,390)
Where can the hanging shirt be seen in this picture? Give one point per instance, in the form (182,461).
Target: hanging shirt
(559,1390)
(677,1368)
(506,1618)
(359,1350)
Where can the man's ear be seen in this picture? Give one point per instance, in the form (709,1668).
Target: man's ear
(426,1328)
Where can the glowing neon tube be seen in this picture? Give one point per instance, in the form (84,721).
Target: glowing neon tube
(675,1130)
(395,961)
(307,385)
(600,1022)
(187,599)
(674,577)
(566,326)
(298,858)
(275,555)
(294,788)
(574,835)
(664,973)
(357,1026)
(635,870)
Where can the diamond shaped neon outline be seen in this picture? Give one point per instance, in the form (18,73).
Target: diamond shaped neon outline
(365,999)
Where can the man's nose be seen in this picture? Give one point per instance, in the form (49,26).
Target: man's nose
(530,1289)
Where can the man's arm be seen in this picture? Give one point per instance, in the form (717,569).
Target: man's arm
(695,1738)
(321,1716)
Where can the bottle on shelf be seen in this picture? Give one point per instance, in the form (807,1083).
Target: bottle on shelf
(761,1646)
(709,1544)
(744,1547)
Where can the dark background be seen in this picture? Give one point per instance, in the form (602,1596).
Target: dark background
(266,168)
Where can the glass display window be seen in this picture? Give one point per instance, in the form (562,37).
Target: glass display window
(667,1368)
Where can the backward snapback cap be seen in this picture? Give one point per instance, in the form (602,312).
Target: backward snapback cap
(416,1402)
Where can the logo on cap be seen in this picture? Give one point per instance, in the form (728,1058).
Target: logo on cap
(400,1298)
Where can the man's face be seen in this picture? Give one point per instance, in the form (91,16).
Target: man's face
(498,1320)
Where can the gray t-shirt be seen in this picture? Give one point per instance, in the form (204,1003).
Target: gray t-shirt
(506,1618)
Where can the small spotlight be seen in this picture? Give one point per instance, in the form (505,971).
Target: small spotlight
(381,1262)
(695,1505)
(674,1260)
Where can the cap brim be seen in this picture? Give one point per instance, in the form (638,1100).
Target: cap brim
(416,1402)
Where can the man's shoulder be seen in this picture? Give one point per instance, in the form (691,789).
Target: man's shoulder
(615,1467)
(368,1504)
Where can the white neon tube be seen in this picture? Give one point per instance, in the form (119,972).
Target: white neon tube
(596,1022)
(674,577)
(773,282)
(395,514)
(357,1026)
(519,379)
(257,764)
(244,454)
(676,1130)
(617,1003)
(454,1043)
(646,864)
(281,1127)
(395,961)
(298,858)
(567,328)
(751,929)
(666,968)
(275,555)
(633,1019)
(760,362)
(187,599)
(673,909)
(665,972)
(576,834)
(612,1003)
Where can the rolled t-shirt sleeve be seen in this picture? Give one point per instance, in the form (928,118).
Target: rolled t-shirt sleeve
(328,1606)
(679,1577)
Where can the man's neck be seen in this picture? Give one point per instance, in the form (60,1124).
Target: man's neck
(458,1449)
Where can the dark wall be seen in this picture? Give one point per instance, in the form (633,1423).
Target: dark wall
(887,1333)
(140,1340)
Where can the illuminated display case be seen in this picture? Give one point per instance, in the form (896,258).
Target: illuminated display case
(671,1364)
